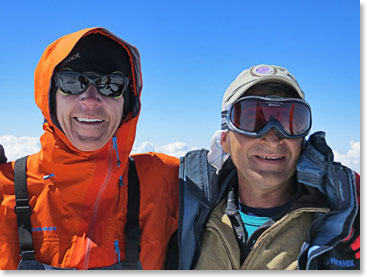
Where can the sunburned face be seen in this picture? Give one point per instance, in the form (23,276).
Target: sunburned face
(89,119)
(265,164)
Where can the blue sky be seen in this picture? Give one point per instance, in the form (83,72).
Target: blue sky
(190,52)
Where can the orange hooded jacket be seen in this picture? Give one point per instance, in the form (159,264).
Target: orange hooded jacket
(79,213)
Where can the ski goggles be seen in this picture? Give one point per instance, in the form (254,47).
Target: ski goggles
(255,115)
(73,83)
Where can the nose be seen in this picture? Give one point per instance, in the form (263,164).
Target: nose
(90,98)
(272,138)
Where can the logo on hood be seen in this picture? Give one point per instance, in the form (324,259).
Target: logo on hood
(70,59)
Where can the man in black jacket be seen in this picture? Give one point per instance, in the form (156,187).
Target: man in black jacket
(264,197)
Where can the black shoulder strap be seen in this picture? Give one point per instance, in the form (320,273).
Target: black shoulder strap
(23,209)
(132,230)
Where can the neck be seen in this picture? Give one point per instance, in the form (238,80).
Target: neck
(261,196)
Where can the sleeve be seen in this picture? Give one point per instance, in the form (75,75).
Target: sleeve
(158,174)
(169,169)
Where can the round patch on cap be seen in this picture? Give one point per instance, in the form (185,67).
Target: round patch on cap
(263,70)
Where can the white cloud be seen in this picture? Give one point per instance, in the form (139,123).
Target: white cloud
(351,158)
(143,147)
(177,149)
(17,147)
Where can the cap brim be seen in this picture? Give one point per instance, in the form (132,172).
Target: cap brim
(264,79)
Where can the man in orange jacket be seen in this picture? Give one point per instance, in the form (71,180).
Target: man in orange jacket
(81,205)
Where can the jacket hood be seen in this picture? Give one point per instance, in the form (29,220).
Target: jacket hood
(55,53)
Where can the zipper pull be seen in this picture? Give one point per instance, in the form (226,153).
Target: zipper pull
(121,182)
(117,249)
(48,176)
(114,141)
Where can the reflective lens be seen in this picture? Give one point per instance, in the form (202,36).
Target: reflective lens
(73,83)
(253,115)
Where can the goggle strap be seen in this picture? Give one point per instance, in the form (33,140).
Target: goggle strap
(224,125)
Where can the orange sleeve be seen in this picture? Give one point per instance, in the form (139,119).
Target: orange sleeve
(169,170)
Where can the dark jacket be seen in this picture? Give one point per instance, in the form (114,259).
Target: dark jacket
(332,240)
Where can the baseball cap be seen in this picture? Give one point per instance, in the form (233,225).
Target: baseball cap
(97,53)
(259,74)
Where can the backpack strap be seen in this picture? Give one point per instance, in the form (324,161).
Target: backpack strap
(133,231)
(23,209)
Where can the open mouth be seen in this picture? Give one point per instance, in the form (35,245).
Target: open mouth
(270,158)
(91,121)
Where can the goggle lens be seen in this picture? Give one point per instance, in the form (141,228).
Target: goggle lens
(251,115)
(73,83)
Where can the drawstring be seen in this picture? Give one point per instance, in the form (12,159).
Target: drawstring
(114,141)
(117,249)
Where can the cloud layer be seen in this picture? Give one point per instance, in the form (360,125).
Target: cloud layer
(16,147)
(351,158)
(177,149)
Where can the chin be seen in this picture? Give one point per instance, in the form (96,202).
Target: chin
(269,177)
(88,147)
(88,143)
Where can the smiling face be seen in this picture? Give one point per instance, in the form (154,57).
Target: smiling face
(89,119)
(266,166)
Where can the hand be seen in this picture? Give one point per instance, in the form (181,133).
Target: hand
(3,158)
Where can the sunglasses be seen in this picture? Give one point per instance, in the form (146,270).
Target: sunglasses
(255,115)
(73,83)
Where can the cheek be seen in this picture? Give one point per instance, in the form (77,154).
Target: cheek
(295,148)
(61,106)
(240,147)
(242,144)
(64,106)
(117,106)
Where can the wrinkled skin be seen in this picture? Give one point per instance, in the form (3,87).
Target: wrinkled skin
(89,119)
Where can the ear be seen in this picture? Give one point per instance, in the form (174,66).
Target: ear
(224,142)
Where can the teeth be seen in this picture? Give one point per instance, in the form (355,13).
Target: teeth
(270,158)
(88,119)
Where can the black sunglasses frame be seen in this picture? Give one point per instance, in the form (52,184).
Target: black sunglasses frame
(92,79)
